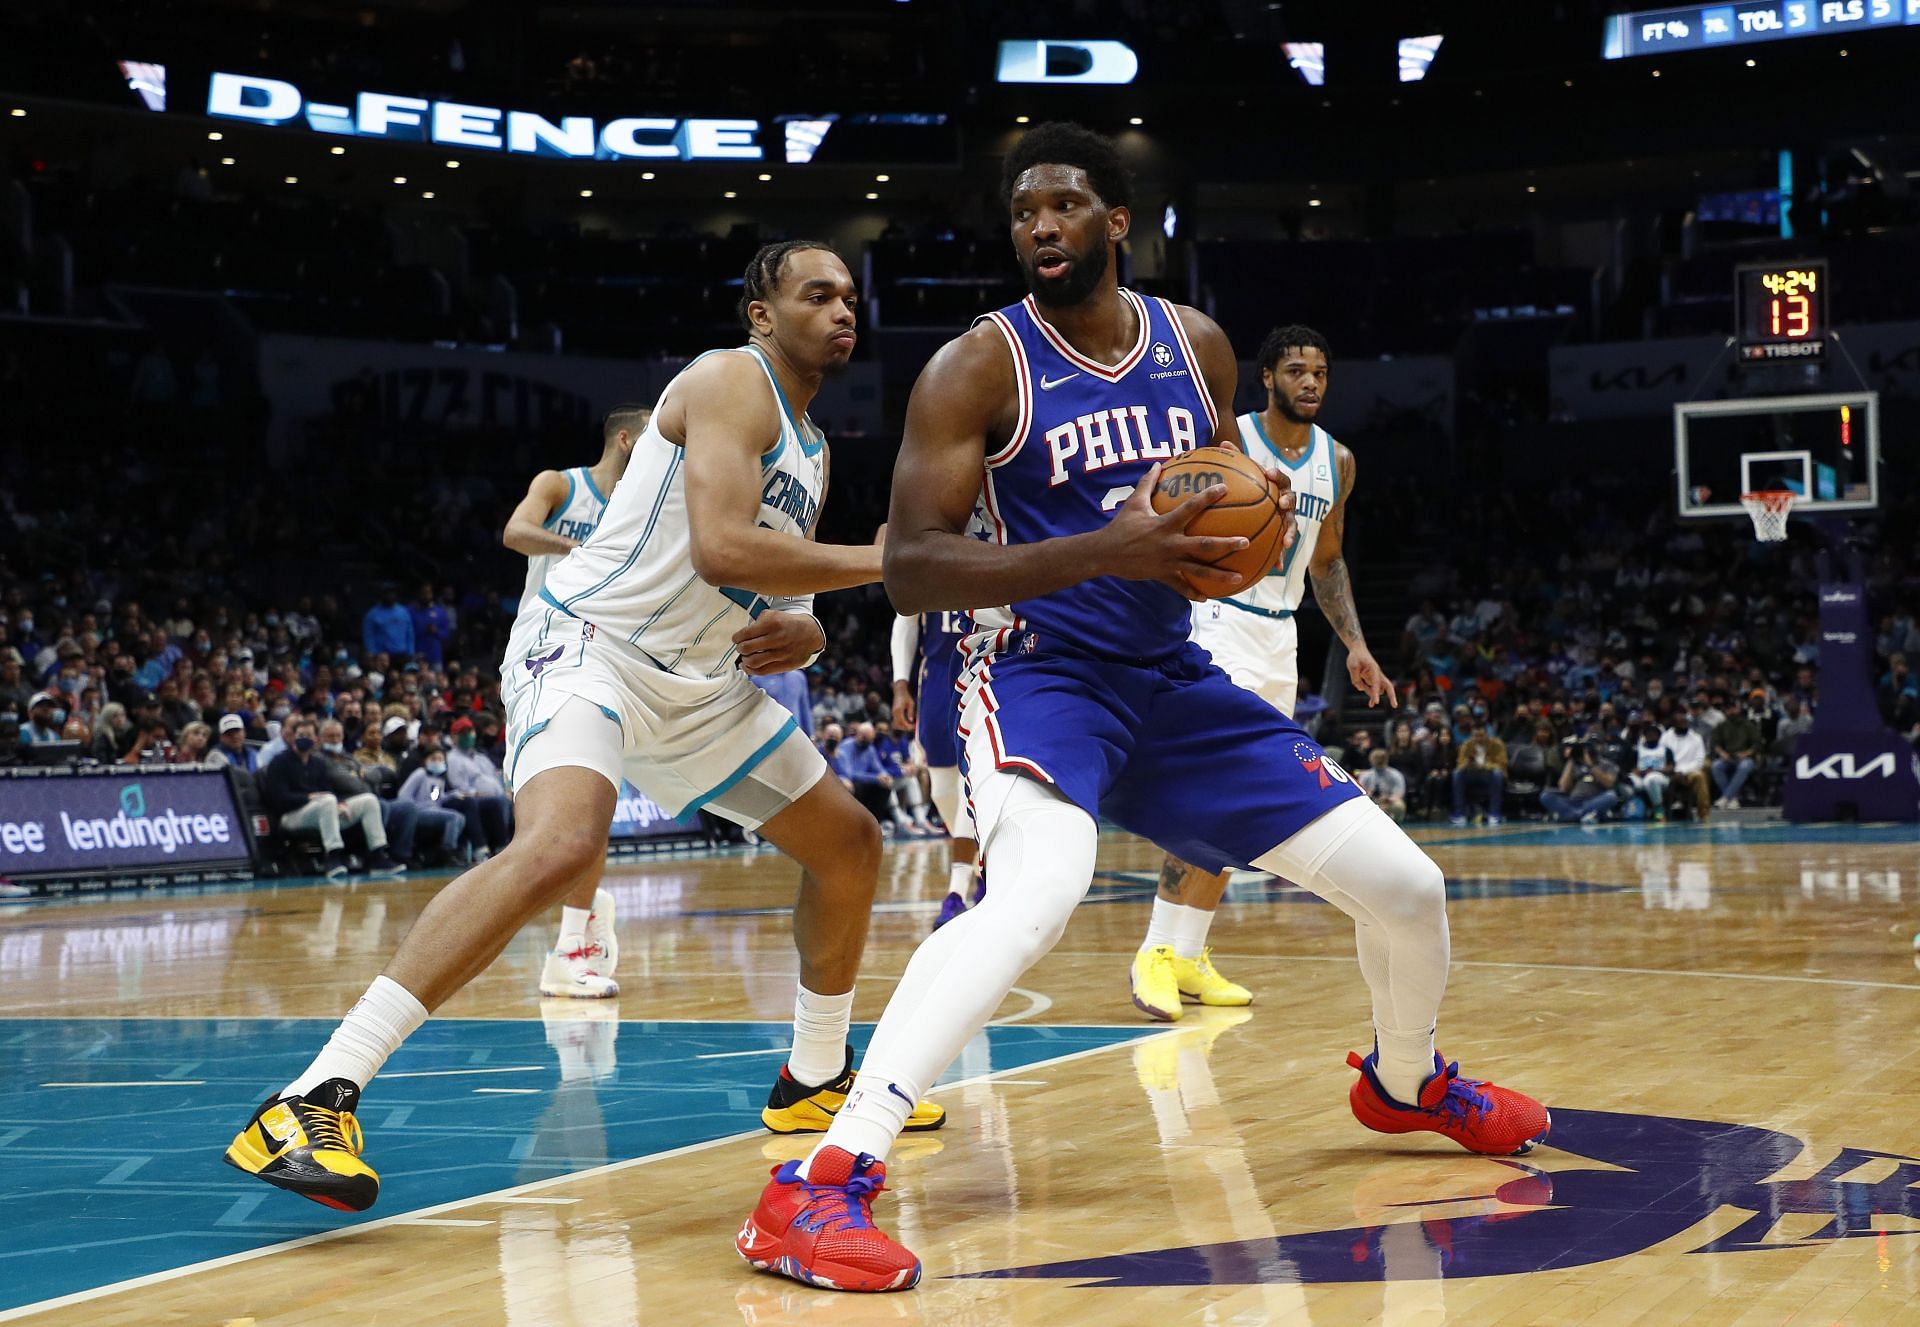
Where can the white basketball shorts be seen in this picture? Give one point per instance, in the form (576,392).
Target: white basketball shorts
(1259,653)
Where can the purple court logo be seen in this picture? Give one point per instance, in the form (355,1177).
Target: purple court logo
(539,666)
(1669,1174)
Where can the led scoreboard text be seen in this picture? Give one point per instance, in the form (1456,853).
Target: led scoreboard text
(1699,27)
(1781,310)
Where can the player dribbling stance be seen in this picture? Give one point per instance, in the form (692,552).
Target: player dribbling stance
(632,661)
(1085,695)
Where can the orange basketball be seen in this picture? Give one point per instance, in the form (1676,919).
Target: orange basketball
(1249,509)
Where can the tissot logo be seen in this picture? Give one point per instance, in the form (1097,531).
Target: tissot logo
(1666,1175)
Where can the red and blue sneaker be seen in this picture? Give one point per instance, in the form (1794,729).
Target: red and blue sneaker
(1494,1121)
(820,1230)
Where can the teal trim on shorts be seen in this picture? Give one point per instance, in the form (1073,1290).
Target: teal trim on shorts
(791,726)
(557,604)
(521,745)
(1277,614)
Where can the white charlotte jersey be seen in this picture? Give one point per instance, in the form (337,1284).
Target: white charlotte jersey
(1316,482)
(576,518)
(635,578)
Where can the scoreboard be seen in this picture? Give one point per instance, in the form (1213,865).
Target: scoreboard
(1780,310)
(1702,27)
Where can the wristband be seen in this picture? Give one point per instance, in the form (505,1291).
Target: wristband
(814,657)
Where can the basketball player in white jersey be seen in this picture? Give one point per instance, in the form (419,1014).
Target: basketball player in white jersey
(633,661)
(559,512)
(1252,636)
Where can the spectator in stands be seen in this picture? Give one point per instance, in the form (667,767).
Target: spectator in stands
(432,627)
(1588,786)
(195,740)
(368,753)
(398,819)
(1736,746)
(440,829)
(1652,766)
(112,735)
(909,806)
(1689,760)
(45,714)
(477,792)
(395,743)
(297,790)
(1384,784)
(1423,631)
(174,710)
(1480,768)
(1794,721)
(151,746)
(14,691)
(858,764)
(388,627)
(230,747)
(1705,717)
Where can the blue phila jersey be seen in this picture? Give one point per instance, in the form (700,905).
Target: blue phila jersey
(1086,434)
(940,637)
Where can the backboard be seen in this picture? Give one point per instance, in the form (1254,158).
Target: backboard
(1826,449)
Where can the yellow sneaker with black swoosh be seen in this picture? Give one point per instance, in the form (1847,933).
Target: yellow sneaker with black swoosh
(309,1145)
(793,1107)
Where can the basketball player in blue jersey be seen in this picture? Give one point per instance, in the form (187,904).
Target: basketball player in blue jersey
(559,512)
(633,662)
(1083,695)
(1251,636)
(926,664)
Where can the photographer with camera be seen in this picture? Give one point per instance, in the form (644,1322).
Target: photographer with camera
(1589,785)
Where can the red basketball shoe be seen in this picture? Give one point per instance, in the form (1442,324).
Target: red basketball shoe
(1480,1117)
(821,1230)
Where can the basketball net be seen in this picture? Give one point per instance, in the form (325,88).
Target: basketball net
(1769,510)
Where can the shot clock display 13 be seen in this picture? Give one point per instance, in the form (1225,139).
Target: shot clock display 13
(1781,310)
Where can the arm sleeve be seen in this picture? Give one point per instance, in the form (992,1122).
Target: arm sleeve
(906,640)
(792,603)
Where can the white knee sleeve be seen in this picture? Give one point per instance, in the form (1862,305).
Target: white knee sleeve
(950,800)
(1039,847)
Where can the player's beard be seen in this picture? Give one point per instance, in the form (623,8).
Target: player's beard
(1083,274)
(1289,413)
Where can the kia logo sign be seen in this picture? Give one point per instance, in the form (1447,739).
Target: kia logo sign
(1067,62)
(1841,766)
(272,101)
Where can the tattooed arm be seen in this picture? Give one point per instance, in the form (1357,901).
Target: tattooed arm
(1333,591)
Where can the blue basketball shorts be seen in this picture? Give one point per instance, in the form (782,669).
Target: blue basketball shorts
(939,713)
(1171,750)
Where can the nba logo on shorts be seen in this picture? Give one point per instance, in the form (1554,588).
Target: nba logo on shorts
(586,631)
(1317,762)
(1162,355)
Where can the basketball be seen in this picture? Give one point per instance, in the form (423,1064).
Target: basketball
(1250,508)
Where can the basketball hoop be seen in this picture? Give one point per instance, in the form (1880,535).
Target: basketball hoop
(1769,510)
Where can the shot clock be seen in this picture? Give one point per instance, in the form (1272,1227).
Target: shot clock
(1781,310)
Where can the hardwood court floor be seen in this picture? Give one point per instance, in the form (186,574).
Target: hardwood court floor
(1723,1023)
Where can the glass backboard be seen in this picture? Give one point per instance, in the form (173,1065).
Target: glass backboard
(1825,449)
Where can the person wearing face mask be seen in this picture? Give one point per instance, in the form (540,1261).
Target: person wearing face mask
(45,713)
(439,830)
(477,792)
(298,792)
(1689,754)
(398,819)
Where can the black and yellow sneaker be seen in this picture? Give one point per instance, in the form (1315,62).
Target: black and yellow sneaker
(793,1107)
(310,1145)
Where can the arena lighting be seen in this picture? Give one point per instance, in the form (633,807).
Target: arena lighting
(881,179)
(17,113)
(147,81)
(1309,58)
(1136,120)
(1067,61)
(215,136)
(1416,56)
(586,193)
(453,165)
(1700,27)
(338,151)
(873,197)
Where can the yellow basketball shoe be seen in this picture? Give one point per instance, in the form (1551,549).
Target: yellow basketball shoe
(793,1107)
(310,1145)
(1201,982)
(1156,991)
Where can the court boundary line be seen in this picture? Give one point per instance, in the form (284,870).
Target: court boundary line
(517,1190)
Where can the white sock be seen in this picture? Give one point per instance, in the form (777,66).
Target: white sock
(820,1025)
(372,1030)
(959,876)
(1169,920)
(1404,1063)
(573,921)
(1190,931)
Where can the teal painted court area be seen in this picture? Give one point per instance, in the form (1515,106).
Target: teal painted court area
(103,1183)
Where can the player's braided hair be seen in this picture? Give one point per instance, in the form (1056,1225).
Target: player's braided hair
(1063,143)
(763,272)
(1291,337)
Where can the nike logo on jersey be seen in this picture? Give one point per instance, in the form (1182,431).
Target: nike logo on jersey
(1048,384)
